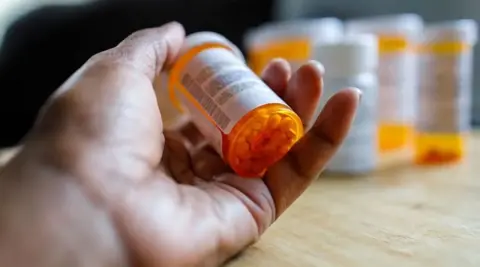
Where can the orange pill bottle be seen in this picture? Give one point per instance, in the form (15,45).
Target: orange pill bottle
(445,95)
(244,120)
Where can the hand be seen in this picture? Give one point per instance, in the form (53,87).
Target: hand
(92,166)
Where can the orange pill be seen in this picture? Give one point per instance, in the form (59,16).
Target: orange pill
(270,146)
(277,138)
(273,121)
(290,134)
(243,150)
(242,139)
(257,125)
(286,123)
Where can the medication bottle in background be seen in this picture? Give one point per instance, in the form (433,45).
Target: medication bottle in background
(292,40)
(172,117)
(244,120)
(352,62)
(445,92)
(397,75)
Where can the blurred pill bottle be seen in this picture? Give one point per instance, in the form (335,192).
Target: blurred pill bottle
(445,92)
(398,85)
(292,40)
(244,120)
(352,62)
(172,117)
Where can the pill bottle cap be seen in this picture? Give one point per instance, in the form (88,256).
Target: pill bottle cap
(464,30)
(353,55)
(201,38)
(317,30)
(409,25)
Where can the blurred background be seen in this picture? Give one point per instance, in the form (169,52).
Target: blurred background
(44,41)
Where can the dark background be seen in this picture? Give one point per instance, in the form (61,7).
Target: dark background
(42,48)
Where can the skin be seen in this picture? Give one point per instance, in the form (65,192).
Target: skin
(99,183)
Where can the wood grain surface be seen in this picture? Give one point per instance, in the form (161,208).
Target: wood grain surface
(402,215)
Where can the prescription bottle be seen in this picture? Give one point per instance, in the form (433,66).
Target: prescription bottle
(244,120)
(398,86)
(291,40)
(172,117)
(446,54)
(352,62)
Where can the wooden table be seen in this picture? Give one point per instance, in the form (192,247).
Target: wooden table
(400,216)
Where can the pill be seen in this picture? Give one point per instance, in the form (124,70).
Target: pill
(252,137)
(246,133)
(286,123)
(242,139)
(270,146)
(277,138)
(257,125)
(243,150)
(273,121)
(290,134)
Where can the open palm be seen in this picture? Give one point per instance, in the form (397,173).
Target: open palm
(172,201)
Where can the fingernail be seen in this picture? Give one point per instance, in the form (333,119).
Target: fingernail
(317,65)
(359,93)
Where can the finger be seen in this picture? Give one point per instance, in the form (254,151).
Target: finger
(304,91)
(276,75)
(293,174)
(148,51)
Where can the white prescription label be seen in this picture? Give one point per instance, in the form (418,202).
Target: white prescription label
(358,152)
(224,87)
(445,91)
(397,81)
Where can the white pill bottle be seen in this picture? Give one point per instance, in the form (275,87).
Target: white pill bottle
(352,62)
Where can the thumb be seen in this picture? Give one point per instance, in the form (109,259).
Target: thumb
(106,75)
(148,51)
(110,102)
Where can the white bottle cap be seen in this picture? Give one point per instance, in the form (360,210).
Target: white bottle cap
(464,30)
(409,25)
(354,54)
(316,30)
(200,38)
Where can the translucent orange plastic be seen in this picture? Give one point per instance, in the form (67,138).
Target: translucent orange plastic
(436,149)
(259,139)
(392,137)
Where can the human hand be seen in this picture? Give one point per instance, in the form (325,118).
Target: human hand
(101,137)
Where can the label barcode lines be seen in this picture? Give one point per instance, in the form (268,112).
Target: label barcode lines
(205,101)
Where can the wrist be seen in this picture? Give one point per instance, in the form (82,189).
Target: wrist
(48,220)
